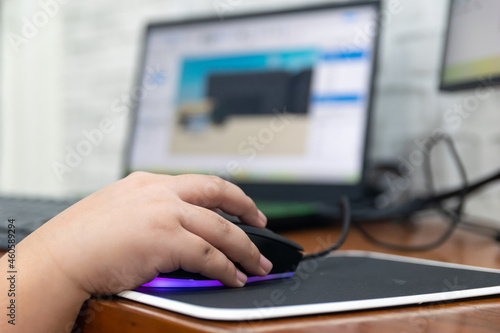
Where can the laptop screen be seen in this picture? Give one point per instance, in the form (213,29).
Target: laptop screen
(269,98)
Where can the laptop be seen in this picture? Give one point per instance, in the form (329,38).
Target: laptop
(277,102)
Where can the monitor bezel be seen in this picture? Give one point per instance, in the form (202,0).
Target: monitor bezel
(267,191)
(464,85)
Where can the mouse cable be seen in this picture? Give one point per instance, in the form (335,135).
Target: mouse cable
(346,218)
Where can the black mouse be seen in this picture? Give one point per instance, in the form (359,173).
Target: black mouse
(284,254)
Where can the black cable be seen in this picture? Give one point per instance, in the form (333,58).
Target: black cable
(418,204)
(407,210)
(469,189)
(462,192)
(402,248)
(421,203)
(455,215)
(346,217)
(480,229)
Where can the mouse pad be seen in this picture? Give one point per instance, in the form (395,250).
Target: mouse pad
(344,281)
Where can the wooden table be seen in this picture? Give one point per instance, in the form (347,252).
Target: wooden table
(474,315)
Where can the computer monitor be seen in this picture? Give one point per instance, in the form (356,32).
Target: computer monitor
(472,49)
(277,102)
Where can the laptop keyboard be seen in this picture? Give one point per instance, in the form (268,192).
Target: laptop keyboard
(28,213)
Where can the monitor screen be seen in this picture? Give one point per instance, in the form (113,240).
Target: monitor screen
(268,98)
(472,48)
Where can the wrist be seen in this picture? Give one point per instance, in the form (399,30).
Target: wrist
(48,299)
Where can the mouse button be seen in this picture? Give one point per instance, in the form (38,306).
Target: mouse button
(286,263)
(285,258)
(253,230)
(272,246)
(266,233)
(289,242)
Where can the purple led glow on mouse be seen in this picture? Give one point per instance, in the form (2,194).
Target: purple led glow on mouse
(186,283)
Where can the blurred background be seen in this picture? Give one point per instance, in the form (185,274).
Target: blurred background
(61,77)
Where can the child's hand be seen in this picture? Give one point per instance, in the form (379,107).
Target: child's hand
(123,235)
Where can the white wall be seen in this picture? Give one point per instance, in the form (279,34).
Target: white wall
(66,78)
(31,119)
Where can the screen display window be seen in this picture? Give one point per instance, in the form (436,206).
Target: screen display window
(472,46)
(272,98)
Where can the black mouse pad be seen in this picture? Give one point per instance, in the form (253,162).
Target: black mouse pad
(346,281)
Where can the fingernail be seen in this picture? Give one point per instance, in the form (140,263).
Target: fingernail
(265,265)
(242,278)
(262,217)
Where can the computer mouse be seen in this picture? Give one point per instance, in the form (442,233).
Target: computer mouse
(284,254)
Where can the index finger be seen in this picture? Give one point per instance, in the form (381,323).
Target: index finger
(214,192)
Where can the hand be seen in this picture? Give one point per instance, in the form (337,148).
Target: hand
(125,234)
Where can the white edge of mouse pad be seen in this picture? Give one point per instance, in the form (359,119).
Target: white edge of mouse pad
(250,314)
